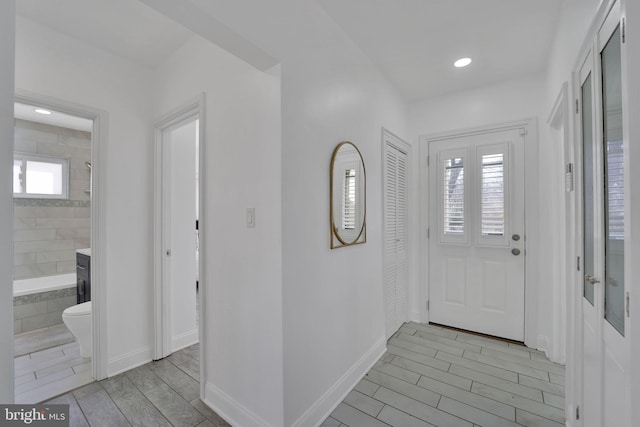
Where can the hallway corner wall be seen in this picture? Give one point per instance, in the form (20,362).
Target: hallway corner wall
(7,46)
(242,267)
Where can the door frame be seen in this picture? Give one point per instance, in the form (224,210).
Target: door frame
(161,291)
(531,242)
(100,354)
(563,270)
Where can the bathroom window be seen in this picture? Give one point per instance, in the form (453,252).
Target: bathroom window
(37,176)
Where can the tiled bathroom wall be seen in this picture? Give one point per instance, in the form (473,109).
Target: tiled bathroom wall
(35,311)
(48,231)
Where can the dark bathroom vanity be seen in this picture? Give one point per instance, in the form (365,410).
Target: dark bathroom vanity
(83,274)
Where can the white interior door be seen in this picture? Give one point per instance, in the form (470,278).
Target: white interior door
(605,369)
(179,234)
(476,232)
(591,300)
(396,262)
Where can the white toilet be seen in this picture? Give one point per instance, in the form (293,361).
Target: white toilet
(78,320)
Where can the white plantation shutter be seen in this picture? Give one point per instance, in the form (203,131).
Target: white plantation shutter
(402,243)
(395,237)
(492,195)
(349,202)
(390,268)
(453,194)
(615,189)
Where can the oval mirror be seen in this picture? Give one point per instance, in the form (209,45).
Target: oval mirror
(348,196)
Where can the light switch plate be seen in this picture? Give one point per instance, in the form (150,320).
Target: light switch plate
(251,217)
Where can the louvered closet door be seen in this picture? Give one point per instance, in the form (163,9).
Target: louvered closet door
(476,223)
(396,269)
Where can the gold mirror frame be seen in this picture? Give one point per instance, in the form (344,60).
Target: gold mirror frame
(337,239)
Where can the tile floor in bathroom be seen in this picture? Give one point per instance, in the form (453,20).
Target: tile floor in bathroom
(48,363)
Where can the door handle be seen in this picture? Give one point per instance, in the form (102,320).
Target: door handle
(515,237)
(515,251)
(589,278)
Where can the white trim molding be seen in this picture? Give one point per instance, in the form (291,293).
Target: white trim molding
(185,340)
(325,405)
(127,361)
(230,409)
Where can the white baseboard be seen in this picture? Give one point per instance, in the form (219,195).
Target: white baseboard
(543,344)
(130,360)
(184,340)
(230,409)
(324,406)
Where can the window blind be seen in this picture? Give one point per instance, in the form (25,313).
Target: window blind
(492,195)
(453,196)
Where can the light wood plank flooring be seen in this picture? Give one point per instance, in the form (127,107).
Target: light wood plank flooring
(161,393)
(431,376)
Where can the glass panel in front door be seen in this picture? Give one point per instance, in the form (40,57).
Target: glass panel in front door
(454,196)
(613,182)
(588,187)
(492,195)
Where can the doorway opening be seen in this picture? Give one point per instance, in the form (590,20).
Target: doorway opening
(178,286)
(476,193)
(53,170)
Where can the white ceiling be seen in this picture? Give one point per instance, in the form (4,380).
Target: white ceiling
(56,118)
(125,27)
(415,42)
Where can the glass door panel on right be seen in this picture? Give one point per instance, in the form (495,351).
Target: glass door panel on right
(604,354)
(612,150)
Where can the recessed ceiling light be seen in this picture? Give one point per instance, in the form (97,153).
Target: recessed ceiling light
(462,62)
(42,111)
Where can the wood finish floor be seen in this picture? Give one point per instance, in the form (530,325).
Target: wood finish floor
(158,394)
(431,376)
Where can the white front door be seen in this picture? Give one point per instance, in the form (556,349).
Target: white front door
(476,227)
(605,357)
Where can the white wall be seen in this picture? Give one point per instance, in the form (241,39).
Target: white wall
(494,104)
(181,211)
(6,196)
(242,281)
(333,309)
(332,299)
(51,64)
